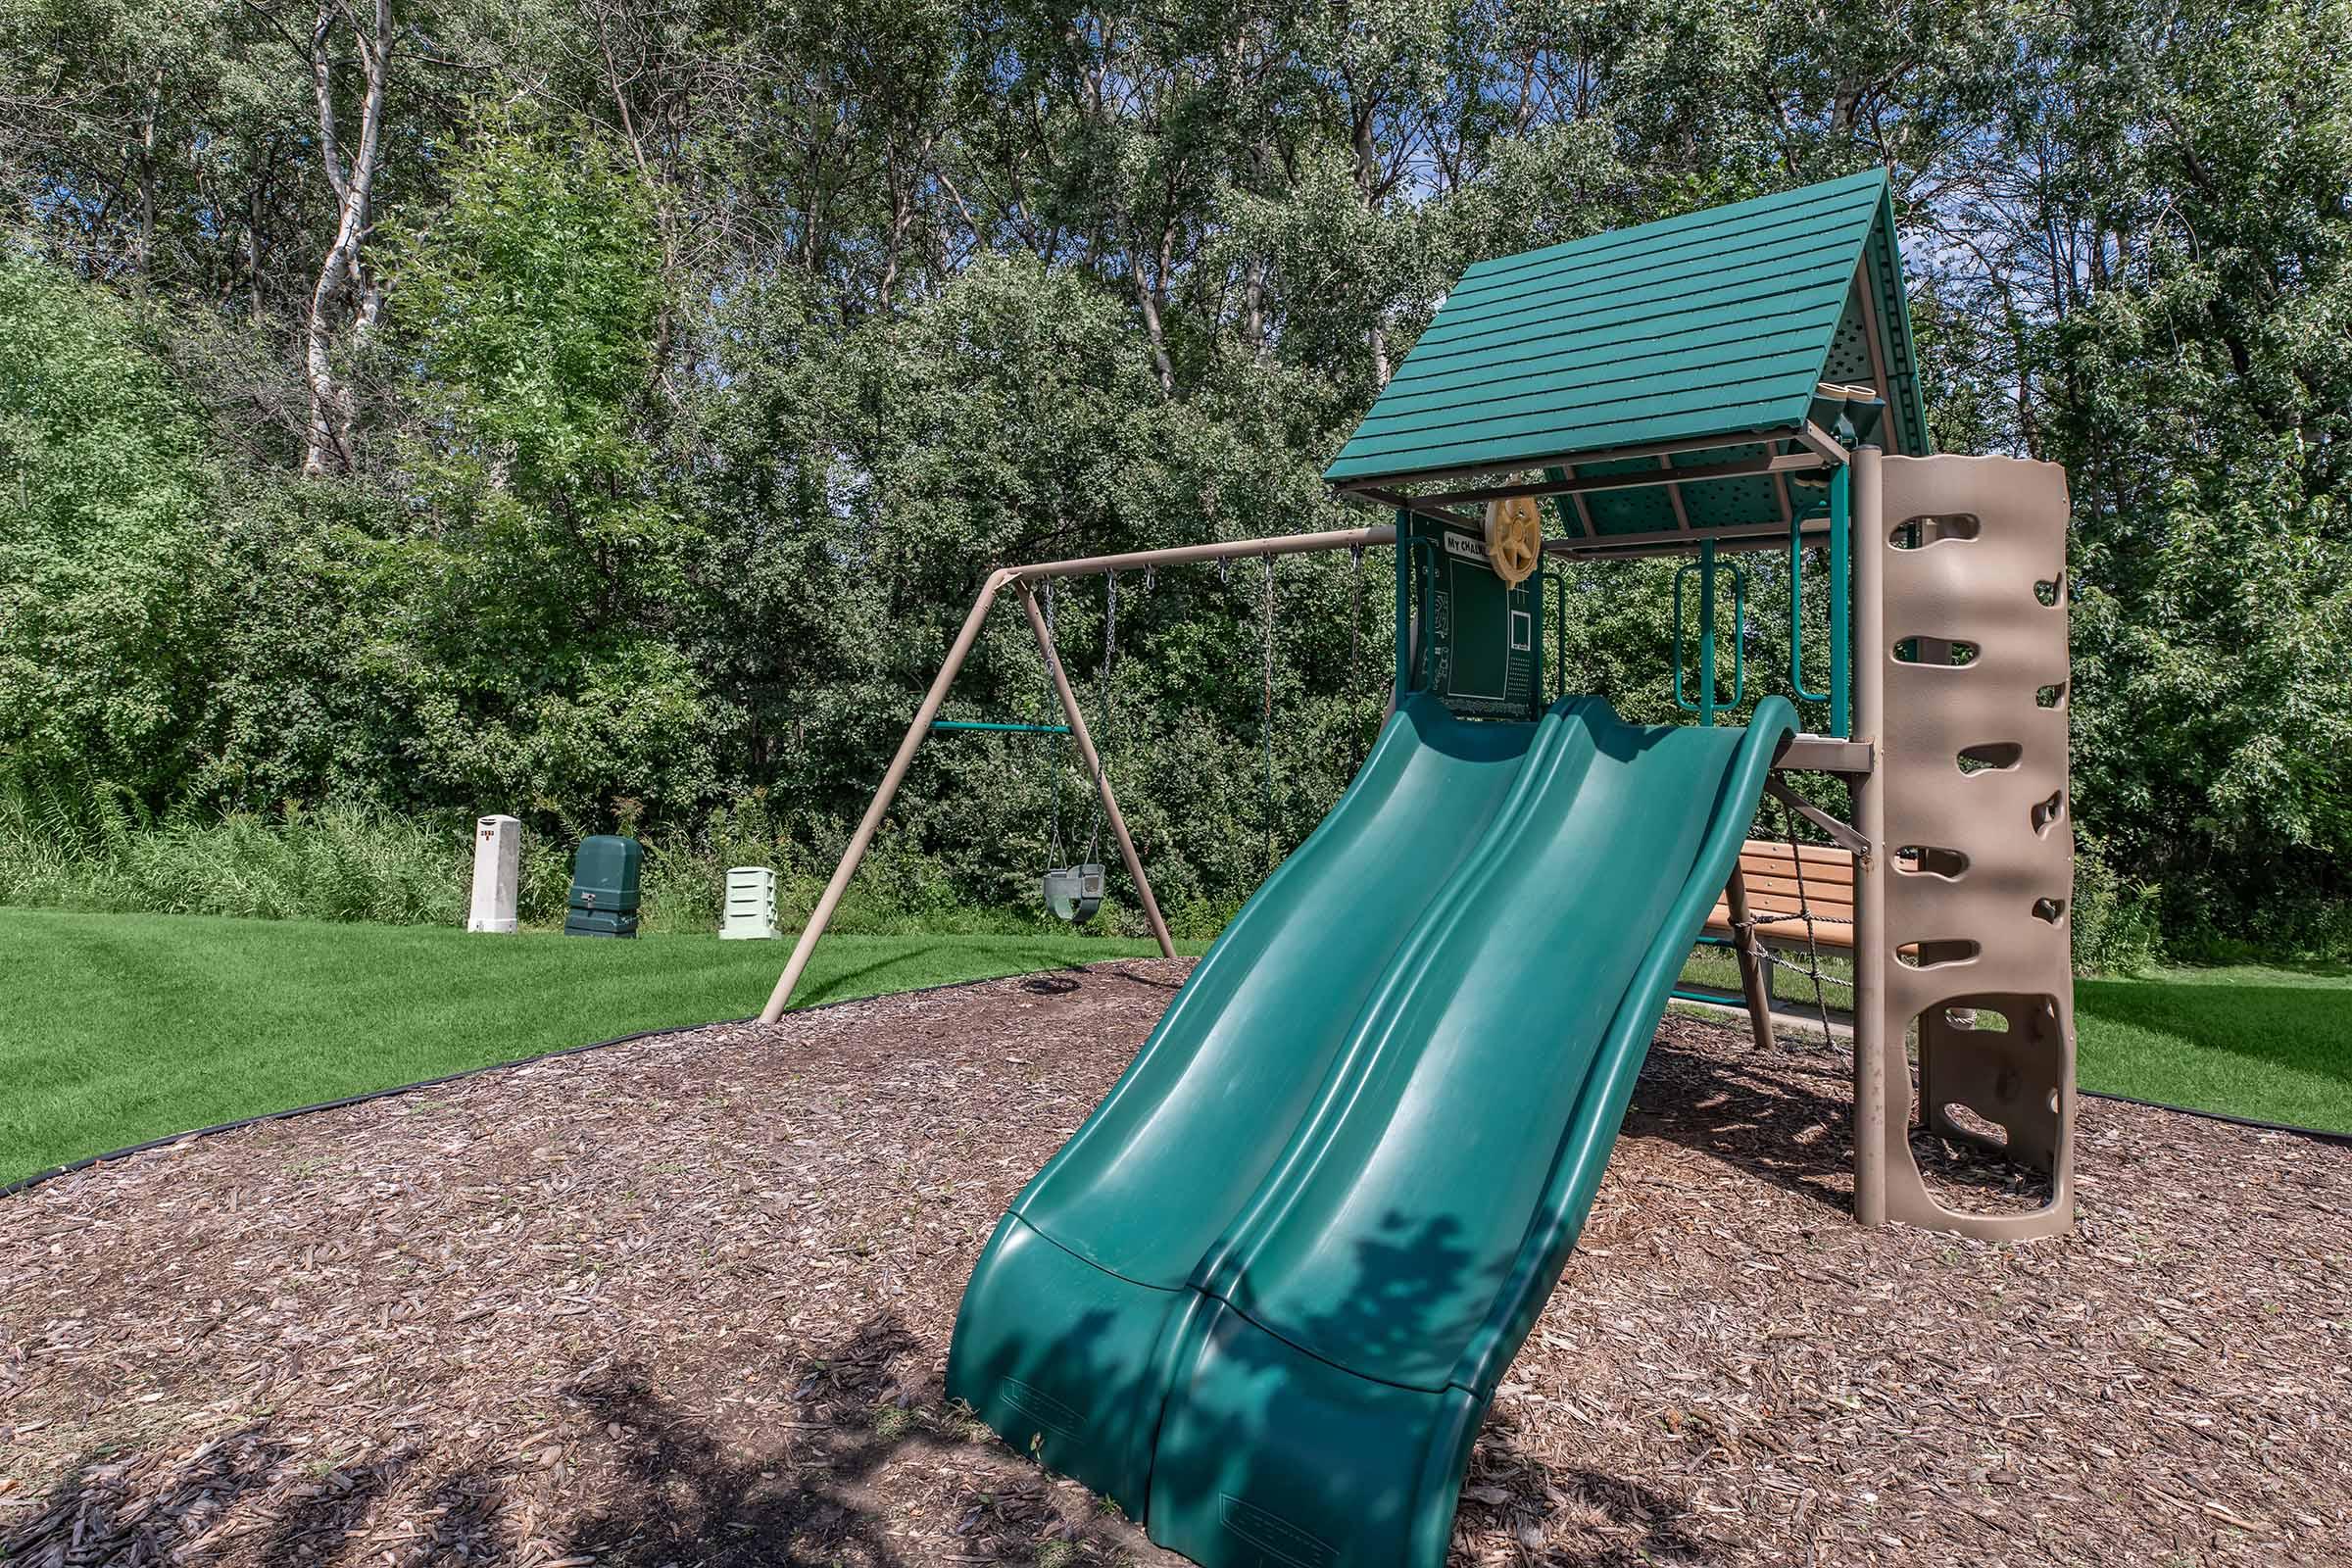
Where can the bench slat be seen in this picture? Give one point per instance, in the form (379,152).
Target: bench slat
(1764,849)
(1809,850)
(1767,871)
(1771,893)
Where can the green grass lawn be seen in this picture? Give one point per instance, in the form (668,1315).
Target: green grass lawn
(2269,1044)
(1719,969)
(122,1028)
(2274,1043)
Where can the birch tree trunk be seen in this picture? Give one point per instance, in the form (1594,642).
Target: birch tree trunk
(345,290)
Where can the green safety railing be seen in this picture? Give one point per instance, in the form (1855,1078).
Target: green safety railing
(1700,696)
(1559,636)
(1840,593)
(1796,617)
(1840,696)
(1406,576)
(1704,704)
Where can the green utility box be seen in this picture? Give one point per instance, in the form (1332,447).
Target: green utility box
(603,887)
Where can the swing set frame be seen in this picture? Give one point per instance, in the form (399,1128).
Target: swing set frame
(1025,580)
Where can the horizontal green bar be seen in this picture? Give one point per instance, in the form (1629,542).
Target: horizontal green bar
(1010,729)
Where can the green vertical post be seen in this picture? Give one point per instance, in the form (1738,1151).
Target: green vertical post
(1404,603)
(1796,617)
(1706,631)
(1842,722)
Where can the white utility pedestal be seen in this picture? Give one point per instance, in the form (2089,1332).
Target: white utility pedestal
(497,869)
(750,902)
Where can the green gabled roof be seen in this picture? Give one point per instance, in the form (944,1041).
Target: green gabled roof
(1720,322)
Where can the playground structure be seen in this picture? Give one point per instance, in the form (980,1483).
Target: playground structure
(1265,1295)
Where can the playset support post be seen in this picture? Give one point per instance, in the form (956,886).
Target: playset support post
(1966,949)
(1870,866)
(1750,953)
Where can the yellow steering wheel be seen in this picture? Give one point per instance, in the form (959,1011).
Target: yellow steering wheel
(1514,538)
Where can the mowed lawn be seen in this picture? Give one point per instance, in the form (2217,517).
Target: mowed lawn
(122,1028)
(2273,1043)
(2268,1044)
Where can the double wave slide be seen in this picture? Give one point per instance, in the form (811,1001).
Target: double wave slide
(1265,1295)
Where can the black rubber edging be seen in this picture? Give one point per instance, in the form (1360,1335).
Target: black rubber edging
(25,1182)
(1731,1004)
(2318,1134)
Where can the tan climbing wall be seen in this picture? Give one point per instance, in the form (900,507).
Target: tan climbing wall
(1977,833)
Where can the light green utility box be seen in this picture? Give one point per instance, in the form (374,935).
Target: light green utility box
(751,904)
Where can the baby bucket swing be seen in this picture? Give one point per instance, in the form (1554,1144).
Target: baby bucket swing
(1074,892)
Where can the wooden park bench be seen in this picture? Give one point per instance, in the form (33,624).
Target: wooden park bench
(1771,894)
(1777,901)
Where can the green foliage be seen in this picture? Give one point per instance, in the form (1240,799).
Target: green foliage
(106,510)
(2177,295)
(2117,919)
(61,850)
(693,402)
(337,864)
(547,567)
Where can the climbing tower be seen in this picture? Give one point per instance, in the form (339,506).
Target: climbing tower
(1964,951)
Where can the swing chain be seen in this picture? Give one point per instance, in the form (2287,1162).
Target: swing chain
(1266,713)
(1054,845)
(1111,642)
(1355,605)
(1356,643)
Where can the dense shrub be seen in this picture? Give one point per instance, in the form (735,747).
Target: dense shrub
(334,863)
(2117,920)
(351,863)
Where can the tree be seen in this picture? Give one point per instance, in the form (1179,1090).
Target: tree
(667,375)
(105,501)
(543,579)
(2173,266)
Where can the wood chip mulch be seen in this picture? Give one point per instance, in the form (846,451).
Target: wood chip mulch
(687,1301)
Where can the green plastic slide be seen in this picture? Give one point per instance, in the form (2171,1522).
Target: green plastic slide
(1265,1295)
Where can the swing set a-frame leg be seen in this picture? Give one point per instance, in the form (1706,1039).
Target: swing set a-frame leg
(822,916)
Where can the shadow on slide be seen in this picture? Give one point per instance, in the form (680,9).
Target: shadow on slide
(1263,1296)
